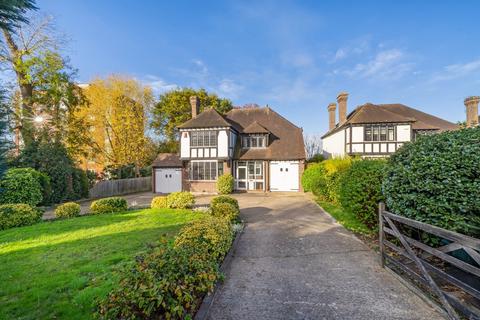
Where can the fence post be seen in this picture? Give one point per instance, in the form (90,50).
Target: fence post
(381,208)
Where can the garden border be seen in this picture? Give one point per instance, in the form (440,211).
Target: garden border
(204,310)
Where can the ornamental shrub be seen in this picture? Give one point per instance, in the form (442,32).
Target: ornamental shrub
(225,199)
(213,234)
(67,210)
(180,200)
(436,180)
(21,185)
(17,215)
(225,210)
(225,184)
(323,178)
(360,190)
(159,202)
(109,205)
(81,184)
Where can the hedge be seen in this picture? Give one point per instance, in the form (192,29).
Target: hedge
(225,184)
(180,200)
(436,180)
(225,210)
(224,199)
(67,210)
(109,205)
(170,281)
(360,190)
(17,215)
(21,185)
(159,202)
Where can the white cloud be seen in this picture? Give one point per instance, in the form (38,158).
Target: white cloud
(355,47)
(455,71)
(157,84)
(229,88)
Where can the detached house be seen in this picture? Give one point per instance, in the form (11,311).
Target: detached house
(261,149)
(376,130)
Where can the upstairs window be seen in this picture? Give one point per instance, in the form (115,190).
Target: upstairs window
(379,133)
(203,138)
(254,141)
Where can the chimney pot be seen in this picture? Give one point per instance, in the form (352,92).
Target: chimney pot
(471,106)
(342,107)
(332,107)
(195,103)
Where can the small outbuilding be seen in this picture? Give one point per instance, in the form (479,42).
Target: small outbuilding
(167,173)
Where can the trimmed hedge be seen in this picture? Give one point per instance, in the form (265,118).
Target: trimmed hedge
(67,210)
(225,210)
(17,215)
(361,190)
(436,180)
(109,205)
(21,185)
(225,184)
(170,281)
(224,199)
(159,202)
(180,200)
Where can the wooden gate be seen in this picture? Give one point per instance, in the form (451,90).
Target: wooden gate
(427,256)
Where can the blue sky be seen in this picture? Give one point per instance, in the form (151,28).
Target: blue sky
(293,56)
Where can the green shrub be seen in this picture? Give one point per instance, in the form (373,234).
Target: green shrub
(361,190)
(225,199)
(180,200)
(436,180)
(46,186)
(214,234)
(316,158)
(108,205)
(159,202)
(226,210)
(21,185)
(67,210)
(17,215)
(170,281)
(225,184)
(81,184)
(323,178)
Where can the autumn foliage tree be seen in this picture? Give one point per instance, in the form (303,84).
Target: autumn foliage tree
(117,115)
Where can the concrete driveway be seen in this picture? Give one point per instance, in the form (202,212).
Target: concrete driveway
(294,262)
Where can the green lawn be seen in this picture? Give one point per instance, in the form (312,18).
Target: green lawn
(345,218)
(55,270)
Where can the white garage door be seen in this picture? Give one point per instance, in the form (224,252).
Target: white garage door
(168,180)
(284,176)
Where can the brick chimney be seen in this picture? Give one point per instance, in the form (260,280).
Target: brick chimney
(471,106)
(342,107)
(332,108)
(195,103)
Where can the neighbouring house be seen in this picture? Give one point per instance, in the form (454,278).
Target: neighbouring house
(376,130)
(260,148)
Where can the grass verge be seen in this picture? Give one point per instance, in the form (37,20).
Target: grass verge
(56,270)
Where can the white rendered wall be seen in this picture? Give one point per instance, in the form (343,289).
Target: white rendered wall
(334,145)
(357,134)
(403,132)
(222,144)
(185,145)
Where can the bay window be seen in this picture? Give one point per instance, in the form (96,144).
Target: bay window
(205,170)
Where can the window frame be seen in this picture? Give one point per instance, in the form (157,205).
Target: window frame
(208,170)
(254,141)
(204,139)
(379,133)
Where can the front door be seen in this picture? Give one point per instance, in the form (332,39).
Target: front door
(241,180)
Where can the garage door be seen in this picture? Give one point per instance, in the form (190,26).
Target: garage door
(168,180)
(284,176)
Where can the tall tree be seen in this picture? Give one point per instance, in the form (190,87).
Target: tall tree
(174,108)
(117,114)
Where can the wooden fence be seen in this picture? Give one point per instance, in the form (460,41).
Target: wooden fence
(455,283)
(111,188)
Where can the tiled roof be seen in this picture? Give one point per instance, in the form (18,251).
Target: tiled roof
(209,118)
(167,160)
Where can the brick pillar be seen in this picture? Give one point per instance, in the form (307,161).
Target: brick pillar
(342,107)
(471,106)
(332,108)
(195,104)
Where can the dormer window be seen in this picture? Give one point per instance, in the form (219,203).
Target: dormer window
(254,141)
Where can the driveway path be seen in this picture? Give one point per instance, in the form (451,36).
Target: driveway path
(294,262)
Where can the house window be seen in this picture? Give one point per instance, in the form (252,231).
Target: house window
(379,133)
(203,139)
(254,141)
(204,170)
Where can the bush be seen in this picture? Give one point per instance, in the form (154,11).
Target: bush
(180,200)
(109,205)
(226,210)
(81,184)
(436,180)
(159,202)
(170,281)
(67,210)
(361,190)
(44,181)
(316,158)
(214,234)
(16,215)
(225,184)
(323,178)
(224,199)
(21,185)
